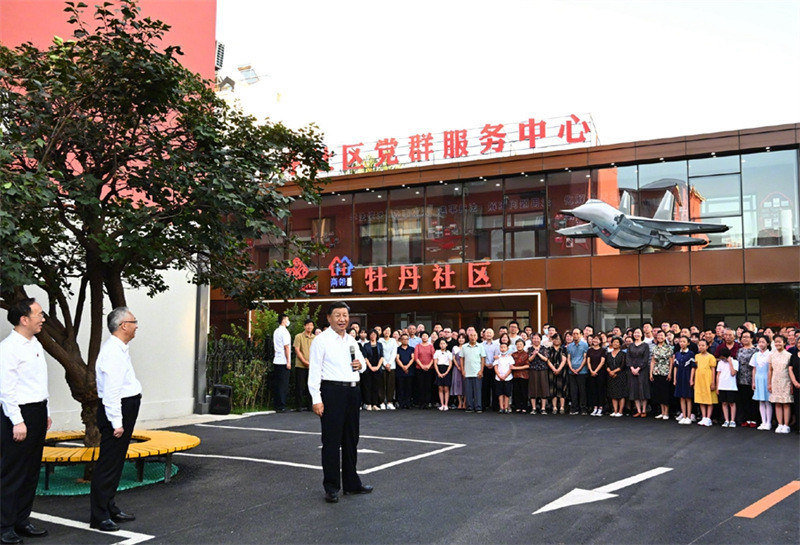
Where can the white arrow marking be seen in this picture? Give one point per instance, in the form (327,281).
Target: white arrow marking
(579,495)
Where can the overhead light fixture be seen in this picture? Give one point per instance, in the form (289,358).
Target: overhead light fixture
(713,154)
(588,175)
(523,173)
(379,196)
(441,181)
(767,148)
(613,164)
(343,199)
(416,192)
(660,158)
(541,179)
(497,185)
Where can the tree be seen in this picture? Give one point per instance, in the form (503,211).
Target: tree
(116,164)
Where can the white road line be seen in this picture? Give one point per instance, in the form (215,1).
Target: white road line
(246,459)
(423,441)
(447,446)
(410,459)
(132,537)
(632,480)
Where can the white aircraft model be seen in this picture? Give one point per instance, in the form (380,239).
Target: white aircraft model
(619,229)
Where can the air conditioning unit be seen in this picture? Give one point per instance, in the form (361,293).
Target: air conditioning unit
(219,55)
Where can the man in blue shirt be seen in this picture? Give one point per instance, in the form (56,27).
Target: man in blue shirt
(413,339)
(576,364)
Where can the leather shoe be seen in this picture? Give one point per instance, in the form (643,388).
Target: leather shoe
(331,497)
(29,530)
(365,489)
(10,537)
(107,525)
(122,517)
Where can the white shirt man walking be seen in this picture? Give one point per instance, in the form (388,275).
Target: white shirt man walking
(120,395)
(335,364)
(281,362)
(25,419)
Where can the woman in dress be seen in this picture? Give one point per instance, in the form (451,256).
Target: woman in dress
(759,363)
(538,385)
(519,382)
(617,379)
(780,386)
(660,373)
(457,382)
(705,388)
(556,362)
(596,382)
(443,359)
(683,379)
(638,362)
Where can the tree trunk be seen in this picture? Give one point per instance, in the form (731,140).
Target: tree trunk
(92,438)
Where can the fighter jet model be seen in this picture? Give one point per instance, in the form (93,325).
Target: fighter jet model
(619,229)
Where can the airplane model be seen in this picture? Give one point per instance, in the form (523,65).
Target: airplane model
(619,229)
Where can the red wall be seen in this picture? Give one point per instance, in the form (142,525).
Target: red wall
(193,26)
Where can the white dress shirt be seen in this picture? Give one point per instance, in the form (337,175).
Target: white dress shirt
(115,378)
(280,338)
(23,375)
(329,359)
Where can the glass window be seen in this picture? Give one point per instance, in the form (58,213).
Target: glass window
(444,223)
(406,210)
(483,220)
(334,229)
(716,196)
(717,199)
(569,309)
(668,304)
(711,304)
(566,190)
(774,305)
(617,307)
(655,179)
(770,198)
(301,224)
(728,164)
(612,184)
(370,224)
(526,219)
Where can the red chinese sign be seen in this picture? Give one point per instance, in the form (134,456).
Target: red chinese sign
(300,271)
(492,138)
(373,278)
(478,275)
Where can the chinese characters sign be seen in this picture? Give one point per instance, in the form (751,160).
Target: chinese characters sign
(522,136)
(407,278)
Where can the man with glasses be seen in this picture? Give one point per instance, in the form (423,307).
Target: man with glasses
(120,395)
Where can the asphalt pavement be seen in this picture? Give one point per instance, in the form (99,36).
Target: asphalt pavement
(454,477)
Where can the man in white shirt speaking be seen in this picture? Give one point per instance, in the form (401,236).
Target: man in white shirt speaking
(335,363)
(25,419)
(281,362)
(119,396)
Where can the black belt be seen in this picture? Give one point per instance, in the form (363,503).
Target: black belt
(352,384)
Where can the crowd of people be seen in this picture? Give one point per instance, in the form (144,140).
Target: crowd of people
(748,376)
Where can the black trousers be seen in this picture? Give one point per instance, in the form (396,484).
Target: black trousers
(377,387)
(596,389)
(404,385)
(110,461)
(340,436)
(281,376)
(488,399)
(519,397)
(577,392)
(301,388)
(746,408)
(423,380)
(19,464)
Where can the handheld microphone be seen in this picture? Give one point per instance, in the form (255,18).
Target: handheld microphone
(352,353)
